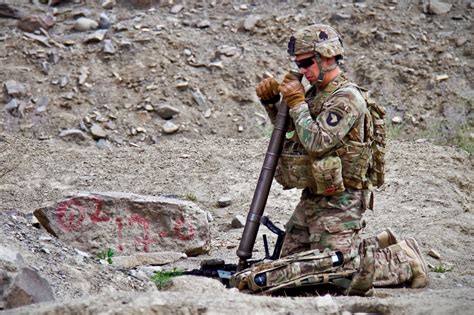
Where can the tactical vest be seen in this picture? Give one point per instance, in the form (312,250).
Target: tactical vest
(356,162)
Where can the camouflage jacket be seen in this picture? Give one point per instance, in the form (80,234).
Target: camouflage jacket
(328,118)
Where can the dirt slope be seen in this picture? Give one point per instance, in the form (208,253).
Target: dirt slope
(418,65)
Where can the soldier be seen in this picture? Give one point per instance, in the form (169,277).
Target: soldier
(328,153)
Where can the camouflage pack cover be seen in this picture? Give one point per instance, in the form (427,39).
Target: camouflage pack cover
(307,268)
(319,38)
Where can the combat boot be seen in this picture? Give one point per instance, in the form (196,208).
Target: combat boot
(386,238)
(416,261)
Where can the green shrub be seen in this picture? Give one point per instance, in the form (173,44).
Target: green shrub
(161,278)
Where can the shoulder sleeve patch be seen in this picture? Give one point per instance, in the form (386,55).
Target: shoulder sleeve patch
(333,118)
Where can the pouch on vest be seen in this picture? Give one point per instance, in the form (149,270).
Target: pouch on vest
(355,158)
(327,173)
(294,167)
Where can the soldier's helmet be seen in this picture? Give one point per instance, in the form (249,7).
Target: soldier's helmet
(319,38)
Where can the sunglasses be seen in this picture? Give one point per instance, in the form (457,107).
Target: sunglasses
(305,63)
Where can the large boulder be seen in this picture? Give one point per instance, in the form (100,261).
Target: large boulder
(19,284)
(127,223)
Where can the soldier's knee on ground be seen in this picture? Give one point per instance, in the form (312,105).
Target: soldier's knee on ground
(362,281)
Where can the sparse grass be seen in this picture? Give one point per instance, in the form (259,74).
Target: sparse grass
(441,269)
(161,278)
(107,255)
(464,140)
(190,196)
(393,131)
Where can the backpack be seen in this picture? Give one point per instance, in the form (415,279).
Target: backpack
(375,135)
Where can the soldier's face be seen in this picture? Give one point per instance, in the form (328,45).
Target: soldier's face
(308,69)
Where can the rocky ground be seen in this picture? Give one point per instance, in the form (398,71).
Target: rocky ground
(164,104)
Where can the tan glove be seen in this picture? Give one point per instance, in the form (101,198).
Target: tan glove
(292,91)
(268,91)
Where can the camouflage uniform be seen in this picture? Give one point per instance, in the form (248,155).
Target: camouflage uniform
(321,221)
(328,135)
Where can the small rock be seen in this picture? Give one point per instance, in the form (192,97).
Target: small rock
(42,104)
(229,51)
(176,9)
(397,120)
(109,47)
(108,4)
(14,88)
(199,98)
(104,144)
(12,105)
(167,111)
(398,47)
(149,107)
(461,41)
(210,217)
(204,24)
(45,238)
(104,21)
(238,222)
(69,96)
(240,128)
(183,85)
(169,127)
(110,125)
(421,140)
(98,132)
(187,52)
(340,16)
(28,288)
(64,81)
(250,22)
(35,22)
(224,201)
(53,57)
(8,12)
(437,7)
(149,270)
(95,37)
(84,24)
(45,250)
(54,2)
(72,132)
(442,77)
(433,253)
(84,73)
(81,253)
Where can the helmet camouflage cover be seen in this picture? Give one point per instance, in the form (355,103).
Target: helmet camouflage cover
(319,38)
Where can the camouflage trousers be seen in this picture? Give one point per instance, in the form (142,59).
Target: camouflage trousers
(334,223)
(320,222)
